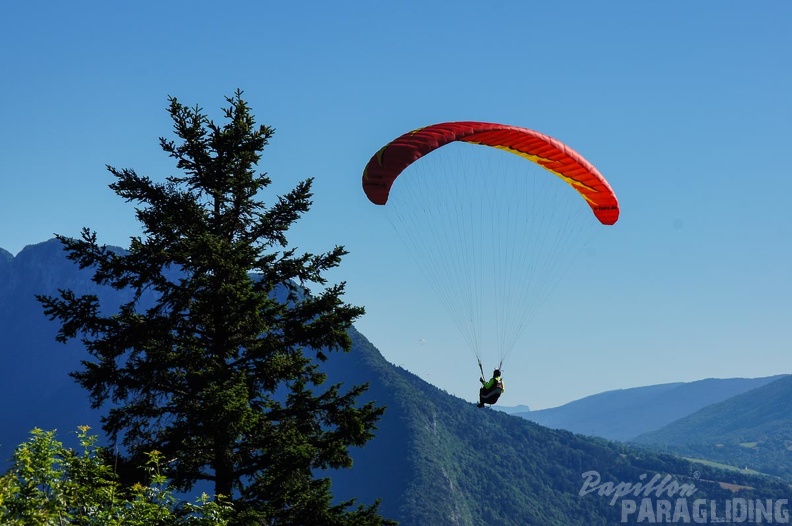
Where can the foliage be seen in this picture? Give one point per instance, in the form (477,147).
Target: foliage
(222,374)
(49,484)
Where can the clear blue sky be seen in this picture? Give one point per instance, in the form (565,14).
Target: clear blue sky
(684,106)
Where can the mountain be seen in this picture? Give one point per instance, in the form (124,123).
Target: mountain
(512,409)
(626,413)
(436,459)
(751,430)
(34,385)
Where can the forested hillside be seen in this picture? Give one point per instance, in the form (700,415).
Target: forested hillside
(751,430)
(436,459)
(624,414)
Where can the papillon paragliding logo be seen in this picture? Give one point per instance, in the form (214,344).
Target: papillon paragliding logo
(661,499)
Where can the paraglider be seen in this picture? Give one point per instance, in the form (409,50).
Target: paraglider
(491,389)
(492,238)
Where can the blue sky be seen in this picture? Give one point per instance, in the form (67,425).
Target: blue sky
(683,106)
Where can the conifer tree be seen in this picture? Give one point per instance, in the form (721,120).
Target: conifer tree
(221,372)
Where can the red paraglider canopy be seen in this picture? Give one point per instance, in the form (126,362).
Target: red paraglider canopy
(553,155)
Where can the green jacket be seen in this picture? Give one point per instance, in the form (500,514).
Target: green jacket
(489,384)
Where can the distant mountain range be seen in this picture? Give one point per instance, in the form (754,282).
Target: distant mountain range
(513,409)
(624,414)
(752,430)
(436,459)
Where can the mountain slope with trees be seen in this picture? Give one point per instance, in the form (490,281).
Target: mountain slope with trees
(435,459)
(624,414)
(751,430)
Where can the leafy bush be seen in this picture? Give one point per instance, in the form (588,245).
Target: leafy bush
(49,484)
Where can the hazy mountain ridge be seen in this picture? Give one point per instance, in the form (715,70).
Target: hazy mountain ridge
(6,258)
(436,459)
(34,385)
(624,414)
(512,409)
